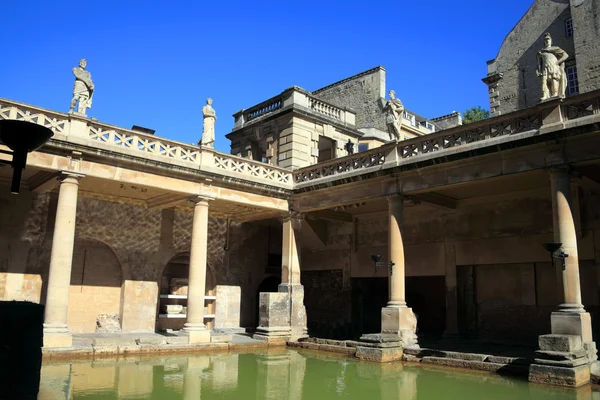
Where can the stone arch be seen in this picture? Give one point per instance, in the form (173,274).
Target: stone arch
(96,280)
(177,268)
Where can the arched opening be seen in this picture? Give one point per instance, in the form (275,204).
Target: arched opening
(269,284)
(95,292)
(173,291)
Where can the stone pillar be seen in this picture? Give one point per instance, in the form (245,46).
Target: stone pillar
(565,355)
(56,332)
(397,318)
(290,274)
(194,327)
(282,316)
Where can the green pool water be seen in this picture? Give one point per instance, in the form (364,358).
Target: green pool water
(282,374)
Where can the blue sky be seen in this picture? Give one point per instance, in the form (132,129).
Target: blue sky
(154,63)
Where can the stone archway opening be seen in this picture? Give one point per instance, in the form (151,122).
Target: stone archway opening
(95,292)
(173,291)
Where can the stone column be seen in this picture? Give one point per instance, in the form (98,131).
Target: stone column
(282,315)
(565,355)
(290,274)
(194,326)
(397,318)
(396,252)
(56,333)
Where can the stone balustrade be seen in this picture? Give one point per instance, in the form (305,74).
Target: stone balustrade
(70,128)
(547,117)
(551,116)
(294,97)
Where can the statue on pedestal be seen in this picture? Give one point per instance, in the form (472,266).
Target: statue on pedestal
(208,131)
(551,68)
(393,116)
(83,88)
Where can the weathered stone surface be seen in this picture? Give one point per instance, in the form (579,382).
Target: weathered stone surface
(595,372)
(559,376)
(508,360)
(477,365)
(227,307)
(221,338)
(378,354)
(560,355)
(108,323)
(337,349)
(380,338)
(562,363)
(465,356)
(562,343)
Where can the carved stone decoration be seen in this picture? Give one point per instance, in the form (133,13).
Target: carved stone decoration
(393,116)
(551,69)
(208,131)
(83,89)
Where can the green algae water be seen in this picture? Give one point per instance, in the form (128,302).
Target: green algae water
(280,374)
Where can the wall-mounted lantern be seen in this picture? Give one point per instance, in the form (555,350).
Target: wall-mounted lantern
(21,137)
(378,263)
(556,251)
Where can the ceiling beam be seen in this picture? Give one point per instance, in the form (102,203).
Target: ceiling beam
(436,200)
(330,215)
(43,182)
(166,200)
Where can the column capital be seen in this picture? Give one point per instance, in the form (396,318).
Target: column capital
(70,176)
(559,170)
(201,200)
(293,216)
(395,198)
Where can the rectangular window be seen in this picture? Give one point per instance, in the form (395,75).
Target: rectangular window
(572,82)
(363,147)
(569,28)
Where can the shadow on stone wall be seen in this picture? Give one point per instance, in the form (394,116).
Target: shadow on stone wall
(21,341)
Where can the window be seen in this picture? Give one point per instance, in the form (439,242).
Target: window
(569,27)
(363,147)
(572,82)
(409,117)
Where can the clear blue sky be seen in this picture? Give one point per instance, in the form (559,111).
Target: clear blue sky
(154,63)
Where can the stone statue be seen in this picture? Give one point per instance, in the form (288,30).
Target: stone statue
(208,131)
(83,89)
(393,116)
(551,68)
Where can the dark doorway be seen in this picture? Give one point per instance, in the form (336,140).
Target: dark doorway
(369,295)
(269,284)
(426,295)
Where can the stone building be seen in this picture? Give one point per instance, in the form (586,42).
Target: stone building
(298,128)
(574,26)
(441,231)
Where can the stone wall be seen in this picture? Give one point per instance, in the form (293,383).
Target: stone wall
(500,235)
(361,93)
(119,256)
(520,87)
(586,21)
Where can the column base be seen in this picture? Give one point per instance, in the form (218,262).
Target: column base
(273,334)
(565,322)
(57,336)
(380,347)
(400,321)
(559,376)
(53,340)
(198,336)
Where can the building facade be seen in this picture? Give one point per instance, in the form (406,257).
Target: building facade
(574,26)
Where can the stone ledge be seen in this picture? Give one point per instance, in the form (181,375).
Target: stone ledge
(560,376)
(477,365)
(380,355)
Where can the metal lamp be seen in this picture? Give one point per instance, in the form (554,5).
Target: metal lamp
(553,249)
(21,137)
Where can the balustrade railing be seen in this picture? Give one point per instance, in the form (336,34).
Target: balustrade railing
(263,108)
(325,108)
(454,140)
(96,134)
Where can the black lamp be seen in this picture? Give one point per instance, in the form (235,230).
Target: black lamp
(378,263)
(21,137)
(553,249)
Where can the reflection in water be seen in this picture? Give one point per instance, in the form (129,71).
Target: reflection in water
(278,374)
